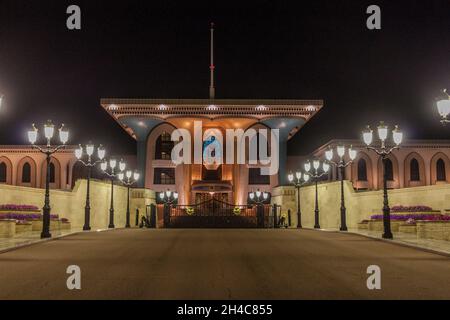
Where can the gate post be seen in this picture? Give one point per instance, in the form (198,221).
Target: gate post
(152,215)
(275,218)
(166,215)
(259,216)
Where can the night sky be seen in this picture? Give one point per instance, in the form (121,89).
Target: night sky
(137,49)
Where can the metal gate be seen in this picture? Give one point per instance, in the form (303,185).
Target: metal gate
(215,213)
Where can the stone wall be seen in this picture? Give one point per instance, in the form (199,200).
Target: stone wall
(70,204)
(360,205)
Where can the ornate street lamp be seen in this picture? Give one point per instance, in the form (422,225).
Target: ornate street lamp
(89,164)
(168,198)
(259,198)
(341,165)
(131,179)
(316,176)
(384,151)
(112,174)
(298,183)
(48,150)
(443,106)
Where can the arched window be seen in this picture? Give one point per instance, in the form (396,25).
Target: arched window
(164,146)
(52,173)
(440,170)
(389,170)
(362,170)
(414,170)
(3,172)
(26,173)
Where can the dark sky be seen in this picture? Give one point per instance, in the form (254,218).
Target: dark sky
(314,50)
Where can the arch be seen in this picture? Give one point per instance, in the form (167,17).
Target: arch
(394,181)
(434,166)
(360,183)
(55,173)
(32,169)
(414,170)
(151,162)
(163,146)
(6,170)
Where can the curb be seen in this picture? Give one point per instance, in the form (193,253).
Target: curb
(33,242)
(394,242)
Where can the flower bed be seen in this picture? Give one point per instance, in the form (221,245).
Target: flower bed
(401,208)
(18,207)
(404,217)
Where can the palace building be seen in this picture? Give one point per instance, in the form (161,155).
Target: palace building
(151,123)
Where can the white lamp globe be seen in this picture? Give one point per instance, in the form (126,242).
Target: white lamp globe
(325,166)
(382,131)
(129,173)
(136,176)
(340,151)
(32,134)
(397,135)
(352,153)
(49,130)
(122,165)
(101,152)
(316,164)
(290,177)
(112,163)
(307,166)
(251,195)
(329,154)
(79,152)
(63,134)
(90,149)
(368,136)
(306,177)
(298,175)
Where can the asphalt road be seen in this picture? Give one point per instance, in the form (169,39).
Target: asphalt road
(221,264)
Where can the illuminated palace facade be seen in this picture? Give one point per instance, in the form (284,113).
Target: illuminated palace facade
(151,123)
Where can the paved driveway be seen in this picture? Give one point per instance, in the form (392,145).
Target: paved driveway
(221,264)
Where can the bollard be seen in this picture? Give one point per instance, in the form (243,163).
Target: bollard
(289,218)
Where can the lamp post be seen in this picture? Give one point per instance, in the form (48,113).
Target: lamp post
(316,175)
(89,164)
(131,178)
(48,150)
(443,106)
(384,151)
(167,198)
(341,165)
(112,174)
(259,198)
(298,183)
